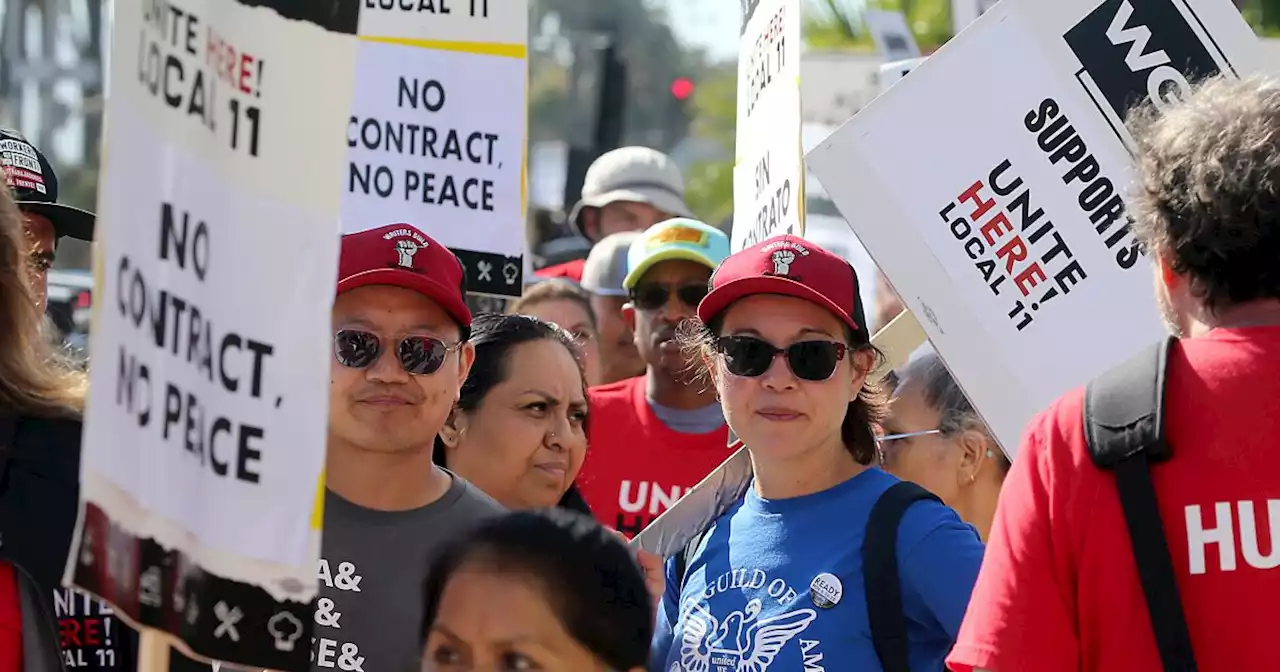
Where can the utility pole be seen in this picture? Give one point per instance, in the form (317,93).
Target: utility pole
(597,103)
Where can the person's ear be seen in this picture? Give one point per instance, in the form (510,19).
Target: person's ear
(466,357)
(629,315)
(975,451)
(863,362)
(455,426)
(1168,277)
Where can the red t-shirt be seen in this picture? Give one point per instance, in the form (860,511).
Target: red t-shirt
(571,270)
(1059,589)
(636,466)
(10,621)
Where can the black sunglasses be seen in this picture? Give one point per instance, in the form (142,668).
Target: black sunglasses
(809,360)
(418,355)
(654,295)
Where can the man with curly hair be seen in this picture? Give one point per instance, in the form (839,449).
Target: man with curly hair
(1060,587)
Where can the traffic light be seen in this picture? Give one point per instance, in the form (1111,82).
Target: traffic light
(682,88)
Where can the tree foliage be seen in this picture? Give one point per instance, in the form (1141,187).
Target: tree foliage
(709,184)
(838,25)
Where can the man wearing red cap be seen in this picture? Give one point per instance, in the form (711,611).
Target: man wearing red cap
(400,329)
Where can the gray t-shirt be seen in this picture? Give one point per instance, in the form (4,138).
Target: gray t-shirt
(692,421)
(372,569)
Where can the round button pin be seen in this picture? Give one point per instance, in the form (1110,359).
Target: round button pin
(825,590)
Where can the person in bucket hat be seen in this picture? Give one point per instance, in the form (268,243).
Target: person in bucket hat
(626,189)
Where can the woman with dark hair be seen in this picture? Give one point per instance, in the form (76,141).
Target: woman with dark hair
(778,580)
(537,590)
(518,430)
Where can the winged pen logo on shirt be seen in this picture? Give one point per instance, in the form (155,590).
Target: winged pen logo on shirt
(742,643)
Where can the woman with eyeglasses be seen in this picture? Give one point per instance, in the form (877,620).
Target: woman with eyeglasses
(518,430)
(777,581)
(934,437)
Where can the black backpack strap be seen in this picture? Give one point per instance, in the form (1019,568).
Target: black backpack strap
(1124,426)
(880,574)
(686,557)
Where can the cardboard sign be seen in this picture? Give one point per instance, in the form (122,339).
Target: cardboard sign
(965,12)
(893,72)
(437,131)
(217,244)
(990,187)
(891,34)
(768,173)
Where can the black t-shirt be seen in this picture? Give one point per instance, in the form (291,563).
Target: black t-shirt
(39,502)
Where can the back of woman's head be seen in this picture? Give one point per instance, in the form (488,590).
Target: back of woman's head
(495,337)
(34,380)
(584,572)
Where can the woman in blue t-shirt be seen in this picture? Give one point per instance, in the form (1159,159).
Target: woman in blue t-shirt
(776,582)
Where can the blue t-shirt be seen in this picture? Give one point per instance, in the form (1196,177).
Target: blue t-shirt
(759,593)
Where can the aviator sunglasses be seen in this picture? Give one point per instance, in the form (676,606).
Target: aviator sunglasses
(654,295)
(418,355)
(809,360)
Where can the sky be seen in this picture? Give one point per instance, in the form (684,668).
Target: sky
(712,24)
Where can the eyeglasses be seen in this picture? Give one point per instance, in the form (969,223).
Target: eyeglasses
(809,360)
(885,456)
(654,295)
(418,355)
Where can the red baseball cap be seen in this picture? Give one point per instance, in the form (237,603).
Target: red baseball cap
(790,266)
(400,255)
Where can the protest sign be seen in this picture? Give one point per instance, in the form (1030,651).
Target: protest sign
(217,246)
(965,12)
(892,35)
(891,73)
(437,128)
(90,634)
(989,185)
(768,173)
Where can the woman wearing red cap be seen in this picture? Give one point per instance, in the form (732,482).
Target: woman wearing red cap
(777,581)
